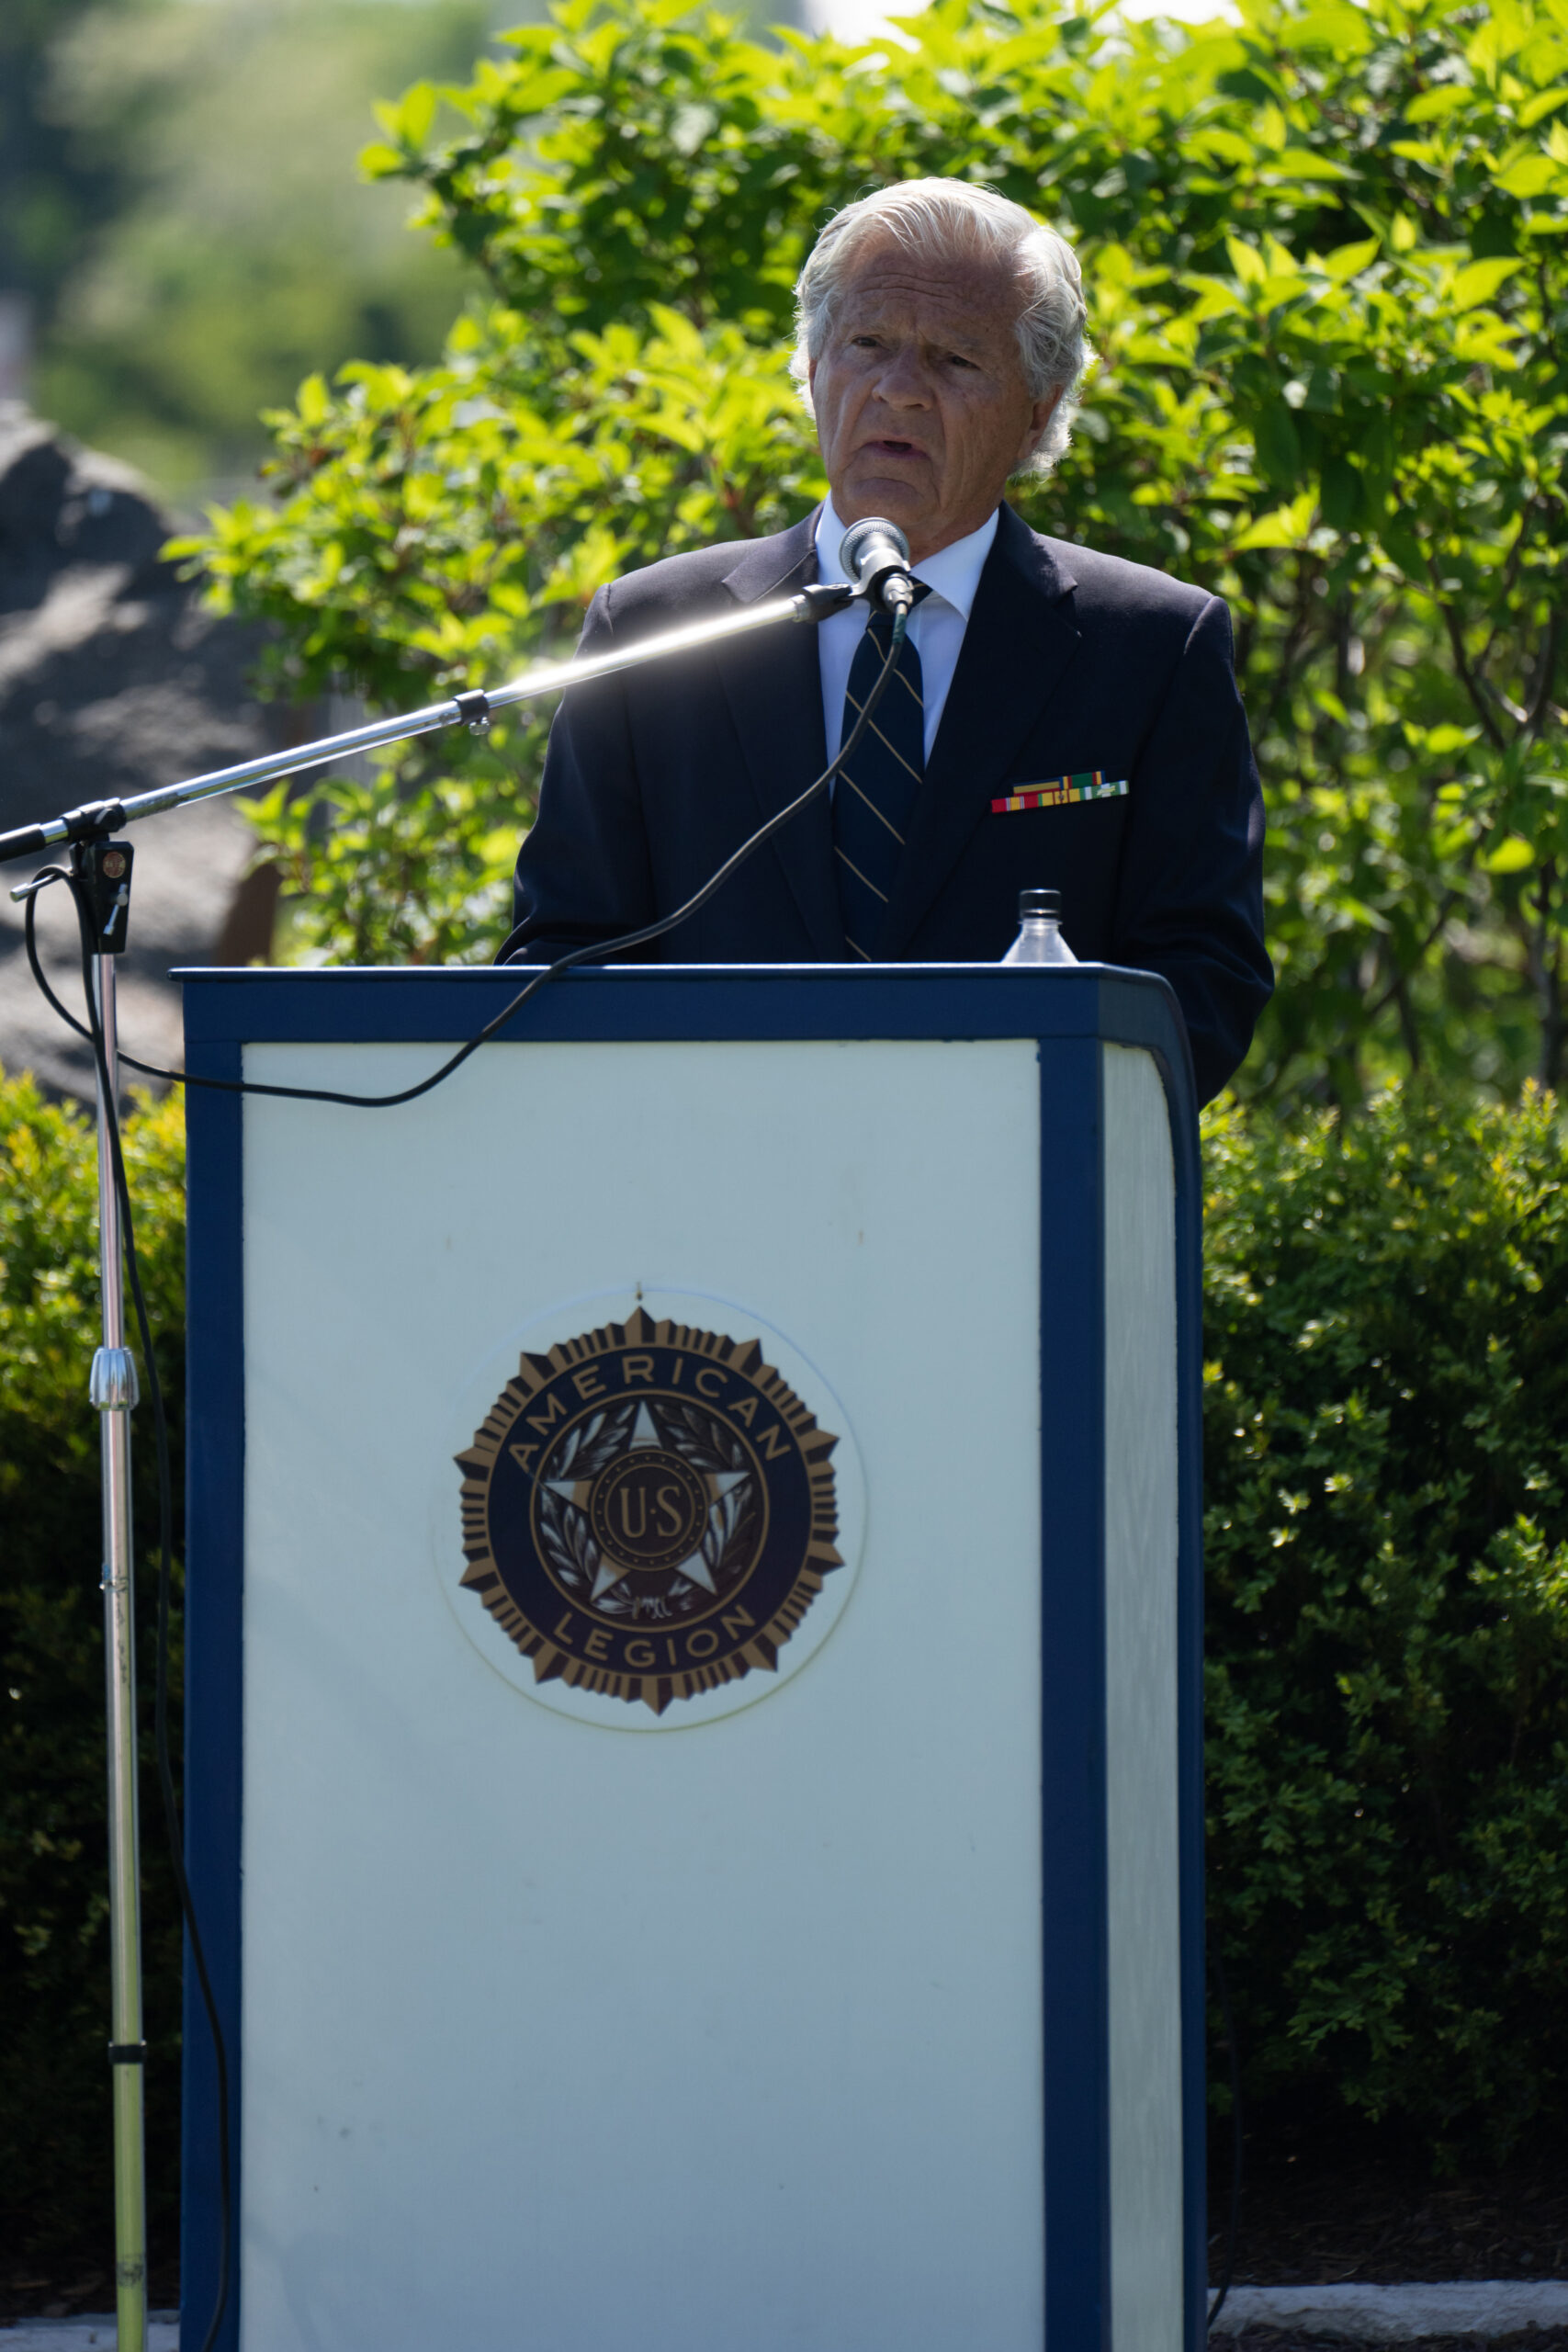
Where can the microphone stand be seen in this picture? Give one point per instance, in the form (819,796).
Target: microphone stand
(103,869)
(112,1389)
(474,710)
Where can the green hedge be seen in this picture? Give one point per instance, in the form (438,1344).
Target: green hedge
(1387,1551)
(55,2165)
(1386,1400)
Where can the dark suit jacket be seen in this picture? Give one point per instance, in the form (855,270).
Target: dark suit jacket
(1071,661)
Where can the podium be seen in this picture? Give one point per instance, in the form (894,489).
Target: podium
(693,1766)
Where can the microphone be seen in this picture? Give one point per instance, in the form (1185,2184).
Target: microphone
(876,555)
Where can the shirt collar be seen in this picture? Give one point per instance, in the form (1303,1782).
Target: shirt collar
(954,575)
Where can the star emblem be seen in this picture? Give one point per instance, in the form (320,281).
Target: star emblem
(719,1483)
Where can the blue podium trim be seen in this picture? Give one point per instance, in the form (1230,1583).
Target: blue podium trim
(1072,1627)
(214,1636)
(1072,1012)
(697,1001)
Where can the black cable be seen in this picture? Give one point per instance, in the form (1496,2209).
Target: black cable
(596,952)
(40,881)
(165,1572)
(1231,2231)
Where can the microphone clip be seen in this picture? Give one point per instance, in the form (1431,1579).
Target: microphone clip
(895,593)
(824,598)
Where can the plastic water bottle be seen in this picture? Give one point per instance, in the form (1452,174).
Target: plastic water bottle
(1039,937)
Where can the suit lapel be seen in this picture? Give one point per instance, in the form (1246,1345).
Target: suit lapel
(774,685)
(1017,644)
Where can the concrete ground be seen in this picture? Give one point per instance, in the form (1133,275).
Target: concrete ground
(1466,2309)
(1478,2314)
(95,2331)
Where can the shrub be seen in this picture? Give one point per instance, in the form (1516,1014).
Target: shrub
(1325,267)
(56,2195)
(1387,1540)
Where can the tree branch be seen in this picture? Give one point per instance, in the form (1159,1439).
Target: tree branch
(1474,686)
(1407,1026)
(1505,587)
(1299,629)
(1548,978)
(1541,701)
(1401,974)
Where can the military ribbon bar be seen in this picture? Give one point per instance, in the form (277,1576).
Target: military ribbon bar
(1060,791)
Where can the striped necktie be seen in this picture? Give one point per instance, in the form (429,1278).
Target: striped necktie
(875,794)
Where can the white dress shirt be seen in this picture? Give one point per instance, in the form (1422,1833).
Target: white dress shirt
(936,625)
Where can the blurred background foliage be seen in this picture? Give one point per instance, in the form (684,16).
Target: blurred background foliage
(180,208)
(1325,252)
(182,218)
(243,249)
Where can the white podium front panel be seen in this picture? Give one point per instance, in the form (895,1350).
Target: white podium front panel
(563,2035)
(656,1894)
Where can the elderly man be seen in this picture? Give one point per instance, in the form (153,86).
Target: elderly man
(1059,717)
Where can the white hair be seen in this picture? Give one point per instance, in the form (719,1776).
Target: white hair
(948,220)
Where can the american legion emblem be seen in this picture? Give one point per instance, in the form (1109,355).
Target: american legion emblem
(649,1511)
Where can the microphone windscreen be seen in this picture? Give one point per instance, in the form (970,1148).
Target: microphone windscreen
(872,544)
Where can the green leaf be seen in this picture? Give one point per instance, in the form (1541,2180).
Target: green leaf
(1532,175)
(1322,392)
(1278,445)
(313,401)
(1478,282)
(1442,741)
(409,121)
(1307,163)
(1341,493)
(381,162)
(1348,261)
(1286,527)
(1247,262)
(1432,104)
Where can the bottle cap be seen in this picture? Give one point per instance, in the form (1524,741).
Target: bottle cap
(1039,903)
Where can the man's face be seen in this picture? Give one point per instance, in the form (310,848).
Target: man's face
(922,410)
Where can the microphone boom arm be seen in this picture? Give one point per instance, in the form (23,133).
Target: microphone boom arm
(473,709)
